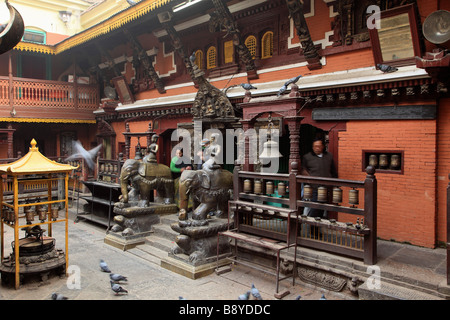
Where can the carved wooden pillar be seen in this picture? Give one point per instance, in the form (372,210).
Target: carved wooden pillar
(10,141)
(294,139)
(246,125)
(127,142)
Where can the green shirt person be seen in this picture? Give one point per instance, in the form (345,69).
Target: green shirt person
(177,165)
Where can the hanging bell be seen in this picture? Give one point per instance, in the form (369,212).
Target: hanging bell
(322,194)
(307,192)
(269,187)
(247,186)
(281,189)
(353,197)
(258,186)
(270,150)
(337,195)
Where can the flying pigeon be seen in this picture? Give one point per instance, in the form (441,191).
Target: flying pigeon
(292,80)
(244,296)
(80,152)
(131,2)
(323,297)
(247,86)
(117,277)
(117,288)
(58,296)
(255,293)
(104,266)
(386,69)
(281,91)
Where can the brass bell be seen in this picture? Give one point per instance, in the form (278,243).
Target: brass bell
(337,195)
(353,197)
(269,187)
(270,150)
(383,161)
(322,194)
(258,186)
(247,185)
(395,161)
(281,189)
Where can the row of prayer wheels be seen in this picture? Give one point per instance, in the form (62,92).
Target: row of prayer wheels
(322,194)
(10,217)
(382,161)
(258,187)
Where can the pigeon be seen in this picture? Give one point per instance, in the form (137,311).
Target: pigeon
(58,296)
(131,2)
(298,297)
(117,277)
(181,298)
(281,91)
(80,152)
(292,80)
(323,297)
(386,69)
(247,86)
(104,266)
(244,296)
(193,57)
(117,288)
(255,293)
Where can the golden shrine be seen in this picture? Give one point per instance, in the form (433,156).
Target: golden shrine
(33,168)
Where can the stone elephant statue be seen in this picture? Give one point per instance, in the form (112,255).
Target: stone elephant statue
(145,177)
(210,191)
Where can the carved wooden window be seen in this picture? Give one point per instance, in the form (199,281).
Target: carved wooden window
(199,59)
(228,51)
(211,58)
(267,45)
(397,41)
(250,42)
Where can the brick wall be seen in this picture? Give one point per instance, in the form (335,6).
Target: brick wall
(406,202)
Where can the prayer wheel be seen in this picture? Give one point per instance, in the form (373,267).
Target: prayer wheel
(373,160)
(322,194)
(353,197)
(55,213)
(11,216)
(269,187)
(383,161)
(247,186)
(29,214)
(337,195)
(42,215)
(395,161)
(307,192)
(281,189)
(258,187)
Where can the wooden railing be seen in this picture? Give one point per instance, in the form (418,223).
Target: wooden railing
(346,235)
(49,94)
(448,233)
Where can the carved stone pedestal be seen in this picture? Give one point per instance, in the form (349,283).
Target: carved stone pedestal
(195,254)
(133,223)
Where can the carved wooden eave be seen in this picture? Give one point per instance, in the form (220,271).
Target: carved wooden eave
(436,64)
(310,51)
(222,19)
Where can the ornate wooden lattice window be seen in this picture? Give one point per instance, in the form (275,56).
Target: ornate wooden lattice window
(199,59)
(211,58)
(250,43)
(267,45)
(228,51)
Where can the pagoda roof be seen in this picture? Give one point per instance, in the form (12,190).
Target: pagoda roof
(34,162)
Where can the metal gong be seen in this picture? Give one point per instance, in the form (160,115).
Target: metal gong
(11,31)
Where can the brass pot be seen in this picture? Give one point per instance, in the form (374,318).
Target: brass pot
(307,192)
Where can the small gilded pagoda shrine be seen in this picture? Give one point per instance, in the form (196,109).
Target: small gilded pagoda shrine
(34,253)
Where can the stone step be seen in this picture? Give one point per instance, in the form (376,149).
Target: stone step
(169,218)
(159,242)
(389,291)
(149,253)
(164,231)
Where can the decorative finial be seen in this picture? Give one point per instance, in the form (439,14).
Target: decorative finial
(33,145)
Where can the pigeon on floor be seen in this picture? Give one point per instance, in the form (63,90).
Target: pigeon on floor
(104,266)
(117,288)
(298,297)
(386,69)
(244,296)
(58,296)
(80,152)
(323,297)
(117,277)
(255,293)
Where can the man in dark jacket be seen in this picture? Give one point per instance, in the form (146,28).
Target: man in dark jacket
(318,163)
